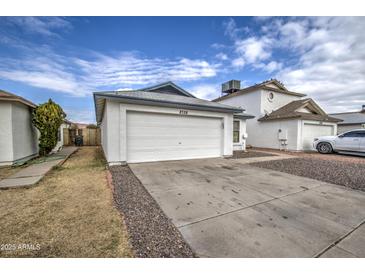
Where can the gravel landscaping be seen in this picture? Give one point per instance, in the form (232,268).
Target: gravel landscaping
(151,233)
(345,173)
(249,154)
(315,155)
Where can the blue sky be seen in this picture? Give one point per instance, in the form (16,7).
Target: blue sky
(67,58)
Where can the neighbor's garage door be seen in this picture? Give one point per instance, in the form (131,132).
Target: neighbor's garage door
(311,131)
(157,137)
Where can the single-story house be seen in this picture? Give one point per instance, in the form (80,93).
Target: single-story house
(165,122)
(351,120)
(283,119)
(18,136)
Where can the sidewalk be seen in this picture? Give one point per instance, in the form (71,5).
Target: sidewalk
(32,174)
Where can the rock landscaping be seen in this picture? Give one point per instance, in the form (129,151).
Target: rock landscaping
(345,173)
(151,233)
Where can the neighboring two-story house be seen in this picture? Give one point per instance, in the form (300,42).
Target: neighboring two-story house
(283,119)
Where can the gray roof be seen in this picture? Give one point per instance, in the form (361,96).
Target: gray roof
(7,96)
(350,118)
(160,99)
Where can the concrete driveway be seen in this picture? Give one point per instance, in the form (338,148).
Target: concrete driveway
(227,208)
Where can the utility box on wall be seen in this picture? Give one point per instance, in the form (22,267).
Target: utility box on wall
(283,135)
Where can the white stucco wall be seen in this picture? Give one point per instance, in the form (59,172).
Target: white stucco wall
(60,141)
(265,134)
(6,139)
(25,136)
(114,128)
(18,137)
(279,100)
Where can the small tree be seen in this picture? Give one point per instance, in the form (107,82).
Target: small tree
(47,118)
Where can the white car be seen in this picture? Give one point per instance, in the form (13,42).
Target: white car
(350,142)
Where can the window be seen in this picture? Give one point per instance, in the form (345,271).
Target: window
(271,96)
(236,131)
(354,134)
(359,133)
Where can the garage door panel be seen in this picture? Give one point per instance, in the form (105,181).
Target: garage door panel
(311,131)
(172,132)
(163,141)
(154,137)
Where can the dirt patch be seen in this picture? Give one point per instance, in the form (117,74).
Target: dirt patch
(69,213)
(347,174)
(151,233)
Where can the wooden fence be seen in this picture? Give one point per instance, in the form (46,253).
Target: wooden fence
(91,136)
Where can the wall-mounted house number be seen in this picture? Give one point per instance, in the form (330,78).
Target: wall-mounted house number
(183,112)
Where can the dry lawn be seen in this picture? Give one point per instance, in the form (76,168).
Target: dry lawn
(69,213)
(7,171)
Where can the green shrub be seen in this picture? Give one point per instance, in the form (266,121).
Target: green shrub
(47,118)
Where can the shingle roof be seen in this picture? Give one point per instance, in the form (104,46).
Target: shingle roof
(7,96)
(290,111)
(350,118)
(161,99)
(263,85)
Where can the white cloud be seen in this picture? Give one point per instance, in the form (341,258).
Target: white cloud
(39,25)
(269,67)
(206,91)
(323,57)
(44,69)
(130,69)
(238,62)
(249,50)
(222,56)
(231,29)
(331,64)
(254,49)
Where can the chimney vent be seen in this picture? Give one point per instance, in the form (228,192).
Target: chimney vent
(231,86)
(363,108)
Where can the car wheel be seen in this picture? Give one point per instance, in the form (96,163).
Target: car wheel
(324,148)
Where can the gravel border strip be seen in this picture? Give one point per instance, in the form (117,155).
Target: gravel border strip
(151,233)
(346,174)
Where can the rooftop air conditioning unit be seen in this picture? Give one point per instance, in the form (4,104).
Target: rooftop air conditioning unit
(231,86)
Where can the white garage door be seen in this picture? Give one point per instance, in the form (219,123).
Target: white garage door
(311,131)
(158,137)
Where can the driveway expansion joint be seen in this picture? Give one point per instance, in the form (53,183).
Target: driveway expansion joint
(340,239)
